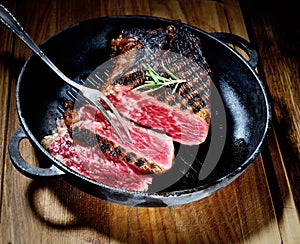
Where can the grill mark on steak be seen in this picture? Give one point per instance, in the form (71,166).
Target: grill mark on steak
(90,161)
(190,99)
(191,96)
(152,152)
(115,152)
(184,127)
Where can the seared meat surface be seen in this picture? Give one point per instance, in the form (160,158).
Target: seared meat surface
(90,161)
(152,152)
(183,114)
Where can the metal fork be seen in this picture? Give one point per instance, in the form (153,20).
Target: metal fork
(92,95)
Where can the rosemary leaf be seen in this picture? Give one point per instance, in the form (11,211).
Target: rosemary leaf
(154,89)
(143,86)
(175,88)
(169,72)
(158,81)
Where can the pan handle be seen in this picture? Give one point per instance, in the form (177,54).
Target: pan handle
(20,164)
(241,43)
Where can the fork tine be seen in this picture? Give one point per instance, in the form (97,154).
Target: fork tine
(78,97)
(113,109)
(108,117)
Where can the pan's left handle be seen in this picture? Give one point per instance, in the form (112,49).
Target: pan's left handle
(24,167)
(240,42)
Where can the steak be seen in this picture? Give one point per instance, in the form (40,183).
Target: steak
(183,127)
(183,114)
(90,161)
(176,111)
(152,152)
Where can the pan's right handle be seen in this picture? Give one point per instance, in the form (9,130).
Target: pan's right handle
(240,42)
(20,164)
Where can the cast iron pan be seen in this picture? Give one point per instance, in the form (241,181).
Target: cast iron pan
(241,113)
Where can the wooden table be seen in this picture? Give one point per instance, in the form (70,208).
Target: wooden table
(261,206)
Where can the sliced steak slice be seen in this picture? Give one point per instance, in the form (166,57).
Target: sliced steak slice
(152,152)
(184,127)
(90,161)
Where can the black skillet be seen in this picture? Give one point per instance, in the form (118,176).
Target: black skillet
(241,112)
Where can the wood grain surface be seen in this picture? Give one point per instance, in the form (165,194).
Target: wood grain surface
(261,206)
(275,28)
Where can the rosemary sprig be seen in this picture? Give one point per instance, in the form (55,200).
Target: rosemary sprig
(157,81)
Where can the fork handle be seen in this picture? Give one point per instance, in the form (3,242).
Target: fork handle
(11,22)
